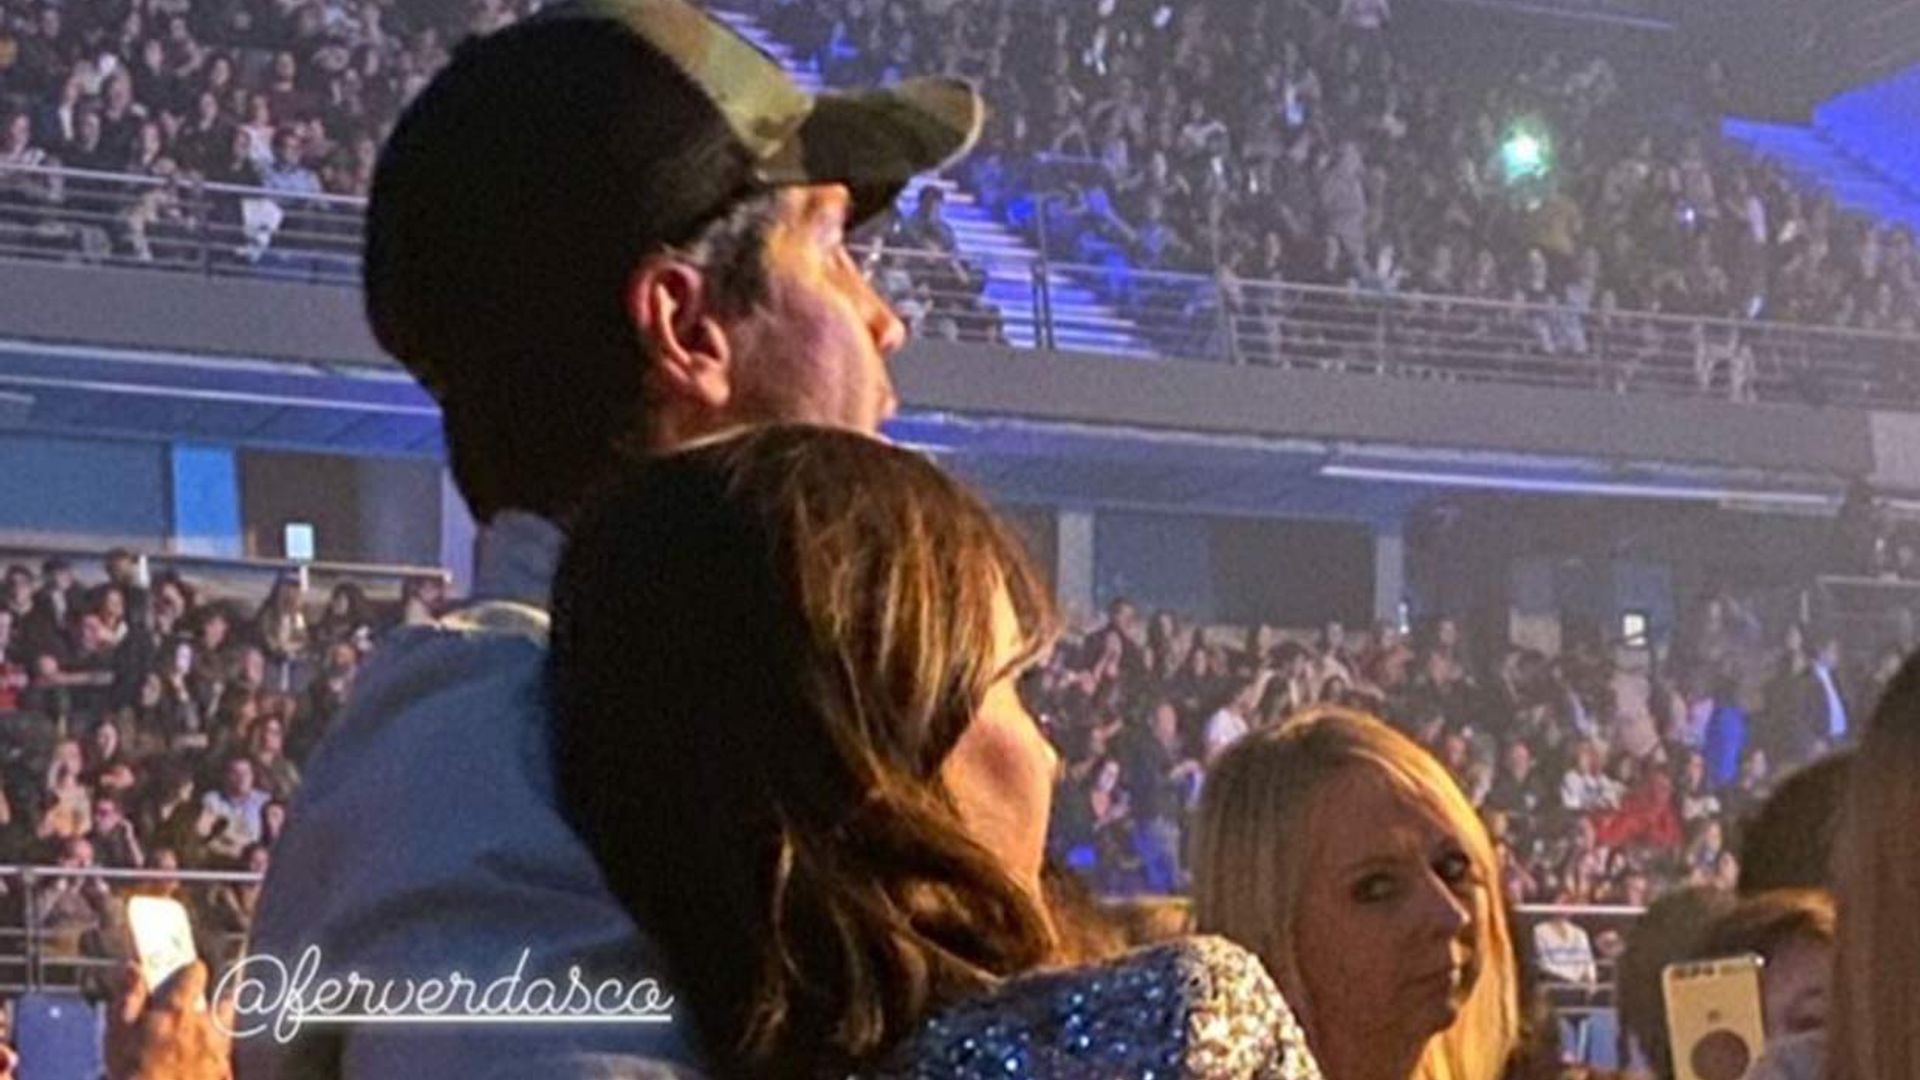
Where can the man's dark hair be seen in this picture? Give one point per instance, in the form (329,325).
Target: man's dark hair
(1788,844)
(1669,931)
(509,210)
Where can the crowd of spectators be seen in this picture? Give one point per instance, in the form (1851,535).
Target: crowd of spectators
(1603,782)
(1289,143)
(934,287)
(146,724)
(1270,142)
(1867,542)
(293,96)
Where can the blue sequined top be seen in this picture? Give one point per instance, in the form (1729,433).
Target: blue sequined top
(1195,1009)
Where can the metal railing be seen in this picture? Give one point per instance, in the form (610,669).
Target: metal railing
(178,222)
(1866,613)
(66,930)
(259,572)
(1640,14)
(1599,921)
(1033,302)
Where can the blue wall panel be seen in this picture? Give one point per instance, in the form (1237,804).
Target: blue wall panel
(206,500)
(57,490)
(1156,561)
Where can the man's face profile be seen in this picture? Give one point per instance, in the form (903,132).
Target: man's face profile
(816,349)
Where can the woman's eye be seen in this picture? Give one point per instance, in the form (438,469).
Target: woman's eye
(1375,888)
(1455,868)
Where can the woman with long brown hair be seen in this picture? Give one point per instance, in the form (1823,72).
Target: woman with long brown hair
(1347,858)
(783,675)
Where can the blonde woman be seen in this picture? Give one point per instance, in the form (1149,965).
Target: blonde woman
(1873,1021)
(1349,861)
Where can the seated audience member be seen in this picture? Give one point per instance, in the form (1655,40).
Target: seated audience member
(74,910)
(326,698)
(170,813)
(1727,734)
(1586,787)
(67,803)
(229,820)
(116,845)
(864,896)
(1234,718)
(14,679)
(1346,857)
(1519,789)
(1563,951)
(278,776)
(280,626)
(1873,1020)
(1647,815)
(230,905)
(348,618)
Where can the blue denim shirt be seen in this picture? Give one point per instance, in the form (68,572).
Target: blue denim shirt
(426,840)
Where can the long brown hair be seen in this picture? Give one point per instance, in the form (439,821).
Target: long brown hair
(1251,852)
(1874,1026)
(763,650)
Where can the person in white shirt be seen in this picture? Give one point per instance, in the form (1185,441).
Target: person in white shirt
(1232,721)
(1564,951)
(230,814)
(1586,787)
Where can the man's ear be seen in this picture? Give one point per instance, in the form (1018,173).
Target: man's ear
(690,358)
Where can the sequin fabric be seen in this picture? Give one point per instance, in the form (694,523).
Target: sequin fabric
(1196,1009)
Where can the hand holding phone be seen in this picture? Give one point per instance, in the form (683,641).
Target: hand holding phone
(162,938)
(1714,1018)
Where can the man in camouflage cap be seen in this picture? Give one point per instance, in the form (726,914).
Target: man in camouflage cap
(606,231)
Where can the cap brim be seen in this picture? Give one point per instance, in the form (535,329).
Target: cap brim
(875,141)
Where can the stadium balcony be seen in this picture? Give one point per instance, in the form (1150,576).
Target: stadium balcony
(218,231)
(236,319)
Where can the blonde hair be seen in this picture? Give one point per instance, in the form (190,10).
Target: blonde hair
(1874,1028)
(1251,862)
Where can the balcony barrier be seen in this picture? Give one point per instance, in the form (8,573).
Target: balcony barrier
(1031,302)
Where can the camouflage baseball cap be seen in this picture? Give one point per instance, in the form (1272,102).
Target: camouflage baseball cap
(872,141)
(520,187)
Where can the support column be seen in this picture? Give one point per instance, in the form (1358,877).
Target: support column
(399,511)
(204,518)
(1389,571)
(1073,567)
(458,534)
(1533,609)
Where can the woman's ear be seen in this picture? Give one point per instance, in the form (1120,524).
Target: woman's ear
(689,355)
